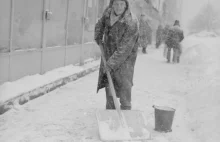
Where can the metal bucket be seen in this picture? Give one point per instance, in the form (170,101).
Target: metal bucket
(163,118)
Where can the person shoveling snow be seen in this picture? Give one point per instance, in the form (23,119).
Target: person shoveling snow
(119,53)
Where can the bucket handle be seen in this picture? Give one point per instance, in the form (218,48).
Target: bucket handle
(155,108)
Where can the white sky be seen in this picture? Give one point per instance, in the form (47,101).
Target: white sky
(191,7)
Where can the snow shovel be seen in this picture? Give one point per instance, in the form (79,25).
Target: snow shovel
(120,125)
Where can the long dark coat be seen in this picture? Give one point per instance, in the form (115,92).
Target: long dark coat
(144,32)
(120,47)
(159,35)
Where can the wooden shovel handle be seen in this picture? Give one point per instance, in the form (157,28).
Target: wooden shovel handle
(111,85)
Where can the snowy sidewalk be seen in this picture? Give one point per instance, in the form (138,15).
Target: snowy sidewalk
(67,114)
(31,87)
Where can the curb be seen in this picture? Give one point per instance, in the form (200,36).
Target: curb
(40,91)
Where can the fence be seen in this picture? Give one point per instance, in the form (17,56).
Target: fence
(39,35)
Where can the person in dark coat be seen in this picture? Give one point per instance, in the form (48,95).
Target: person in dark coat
(149,33)
(175,36)
(164,38)
(144,39)
(159,36)
(117,31)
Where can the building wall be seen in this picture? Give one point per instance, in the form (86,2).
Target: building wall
(31,44)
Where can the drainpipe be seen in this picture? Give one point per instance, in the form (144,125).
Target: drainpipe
(43,44)
(11,25)
(10,40)
(83,28)
(66,28)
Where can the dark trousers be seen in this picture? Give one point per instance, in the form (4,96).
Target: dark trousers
(176,55)
(124,94)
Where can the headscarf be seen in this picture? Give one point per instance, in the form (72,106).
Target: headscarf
(125,17)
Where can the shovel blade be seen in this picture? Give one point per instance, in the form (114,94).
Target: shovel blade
(111,128)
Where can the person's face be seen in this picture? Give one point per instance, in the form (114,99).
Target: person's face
(119,6)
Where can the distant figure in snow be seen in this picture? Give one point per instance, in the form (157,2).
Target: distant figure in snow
(164,38)
(174,37)
(149,33)
(143,41)
(159,36)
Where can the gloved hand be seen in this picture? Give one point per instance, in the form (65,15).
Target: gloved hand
(107,68)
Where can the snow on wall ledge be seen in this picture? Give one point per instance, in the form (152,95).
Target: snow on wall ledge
(29,88)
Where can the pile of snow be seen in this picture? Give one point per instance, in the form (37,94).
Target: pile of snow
(202,54)
(206,34)
(196,54)
(13,89)
(197,51)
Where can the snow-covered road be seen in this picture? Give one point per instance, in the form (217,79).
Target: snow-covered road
(68,113)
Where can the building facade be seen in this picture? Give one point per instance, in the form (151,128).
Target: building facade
(40,35)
